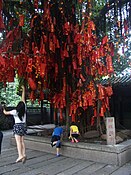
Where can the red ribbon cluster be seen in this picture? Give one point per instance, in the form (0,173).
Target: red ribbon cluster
(54,60)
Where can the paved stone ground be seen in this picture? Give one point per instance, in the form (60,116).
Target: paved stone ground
(41,163)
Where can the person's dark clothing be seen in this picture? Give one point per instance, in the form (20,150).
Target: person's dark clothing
(1,138)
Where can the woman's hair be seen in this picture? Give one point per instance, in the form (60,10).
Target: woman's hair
(20,108)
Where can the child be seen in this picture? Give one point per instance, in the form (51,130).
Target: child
(74,133)
(56,139)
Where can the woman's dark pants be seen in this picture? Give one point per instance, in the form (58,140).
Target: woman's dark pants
(1,138)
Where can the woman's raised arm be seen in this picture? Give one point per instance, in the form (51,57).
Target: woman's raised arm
(23,94)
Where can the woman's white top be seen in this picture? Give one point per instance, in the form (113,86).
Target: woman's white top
(16,117)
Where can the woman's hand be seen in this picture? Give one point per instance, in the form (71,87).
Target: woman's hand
(23,93)
(6,112)
(22,87)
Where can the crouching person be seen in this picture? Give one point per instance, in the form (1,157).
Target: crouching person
(57,138)
(74,133)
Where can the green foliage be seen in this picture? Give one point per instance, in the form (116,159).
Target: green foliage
(97,6)
(122,61)
(11,95)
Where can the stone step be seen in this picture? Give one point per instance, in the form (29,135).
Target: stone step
(117,155)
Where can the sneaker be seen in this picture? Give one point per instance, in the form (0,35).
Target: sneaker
(77,141)
(72,141)
(58,155)
(53,144)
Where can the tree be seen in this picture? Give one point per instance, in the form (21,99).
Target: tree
(60,57)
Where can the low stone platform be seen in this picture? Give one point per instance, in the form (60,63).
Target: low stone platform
(116,155)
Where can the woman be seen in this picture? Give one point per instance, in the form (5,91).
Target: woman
(74,132)
(19,128)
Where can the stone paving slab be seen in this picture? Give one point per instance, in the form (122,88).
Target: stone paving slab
(91,169)
(43,163)
(76,168)
(108,169)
